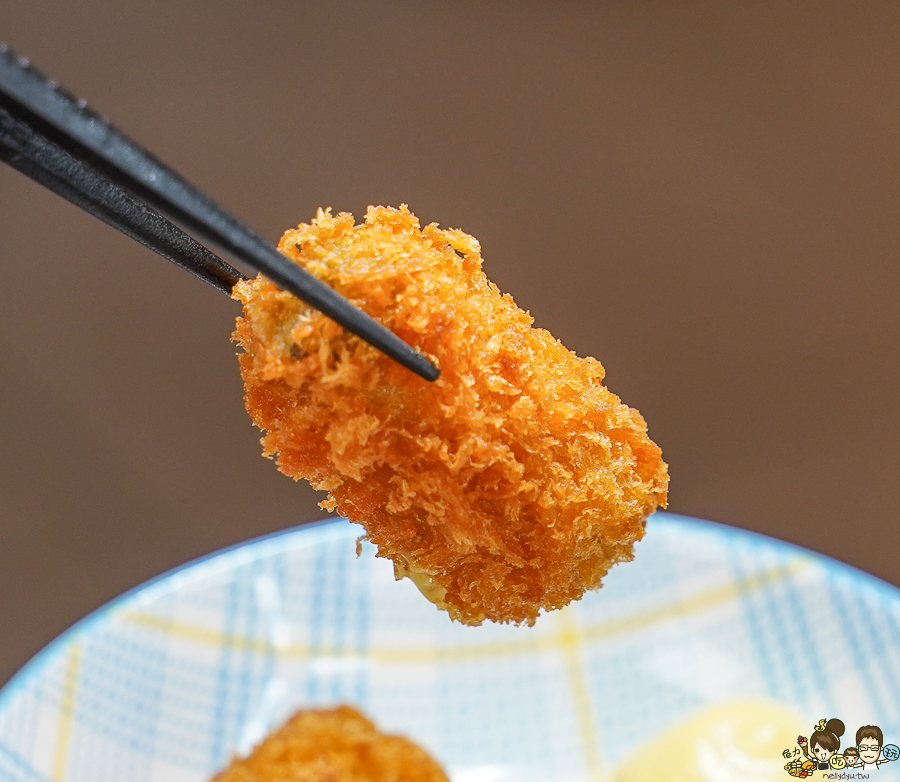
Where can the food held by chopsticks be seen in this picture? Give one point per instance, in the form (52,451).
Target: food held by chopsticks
(509,485)
(333,745)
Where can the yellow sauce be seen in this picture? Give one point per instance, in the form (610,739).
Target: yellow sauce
(739,741)
(424,581)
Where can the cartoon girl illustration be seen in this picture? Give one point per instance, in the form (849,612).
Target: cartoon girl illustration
(823,743)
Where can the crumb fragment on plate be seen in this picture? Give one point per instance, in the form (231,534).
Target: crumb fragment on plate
(508,486)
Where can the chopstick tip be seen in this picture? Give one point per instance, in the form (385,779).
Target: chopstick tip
(430,371)
(415,362)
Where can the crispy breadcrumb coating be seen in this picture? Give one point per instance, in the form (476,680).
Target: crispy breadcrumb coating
(333,745)
(509,485)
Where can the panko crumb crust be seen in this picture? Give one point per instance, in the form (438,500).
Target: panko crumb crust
(333,745)
(509,485)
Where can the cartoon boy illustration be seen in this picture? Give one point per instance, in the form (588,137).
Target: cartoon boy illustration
(851,756)
(824,742)
(869,741)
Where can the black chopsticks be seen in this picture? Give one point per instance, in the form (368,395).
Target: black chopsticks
(46,163)
(59,142)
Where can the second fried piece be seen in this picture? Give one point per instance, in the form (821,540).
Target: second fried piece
(333,745)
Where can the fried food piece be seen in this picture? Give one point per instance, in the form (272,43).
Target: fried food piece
(333,745)
(509,485)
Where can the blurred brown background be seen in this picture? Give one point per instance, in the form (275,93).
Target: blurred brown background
(702,195)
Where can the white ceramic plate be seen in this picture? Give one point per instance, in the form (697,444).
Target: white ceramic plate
(704,656)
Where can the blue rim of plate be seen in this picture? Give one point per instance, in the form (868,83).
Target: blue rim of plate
(255,547)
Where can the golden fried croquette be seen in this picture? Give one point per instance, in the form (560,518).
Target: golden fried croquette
(509,485)
(333,745)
